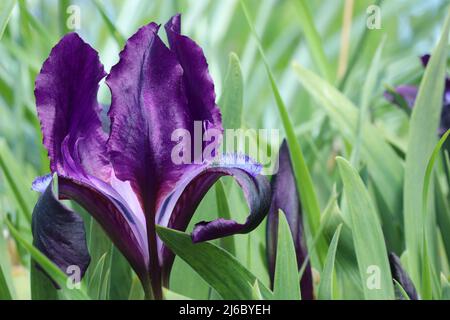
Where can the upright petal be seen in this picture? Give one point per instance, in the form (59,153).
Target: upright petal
(285,197)
(59,232)
(66,100)
(400,275)
(148,104)
(199,84)
(178,208)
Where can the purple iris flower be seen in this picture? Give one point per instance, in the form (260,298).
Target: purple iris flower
(125,178)
(285,197)
(402,277)
(405,96)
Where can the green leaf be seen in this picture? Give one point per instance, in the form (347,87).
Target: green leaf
(46,34)
(383,163)
(13,173)
(216,266)
(430,281)
(232,100)
(97,278)
(326,290)
(443,215)
(170,295)
(313,39)
(301,171)
(286,280)
(327,212)
(120,39)
(256,292)
(4,289)
(424,123)
(62,15)
(100,246)
(224,212)
(368,89)
(427,281)
(5,265)
(401,290)
(121,276)
(429,170)
(6,7)
(42,287)
(367,235)
(445,294)
(49,267)
(136,290)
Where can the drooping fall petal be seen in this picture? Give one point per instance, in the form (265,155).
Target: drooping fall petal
(112,212)
(285,197)
(59,232)
(179,207)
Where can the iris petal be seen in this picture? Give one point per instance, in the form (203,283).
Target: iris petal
(198,83)
(178,208)
(114,215)
(66,99)
(400,275)
(147,91)
(59,232)
(285,197)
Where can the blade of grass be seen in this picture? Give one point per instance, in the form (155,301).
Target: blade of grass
(62,15)
(326,290)
(213,264)
(97,278)
(356,53)
(324,220)
(423,127)
(256,293)
(4,289)
(301,171)
(313,39)
(383,163)
(120,39)
(121,276)
(400,289)
(368,237)
(429,170)
(445,294)
(6,8)
(171,295)
(42,288)
(430,282)
(286,285)
(368,89)
(46,34)
(232,99)
(14,178)
(345,37)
